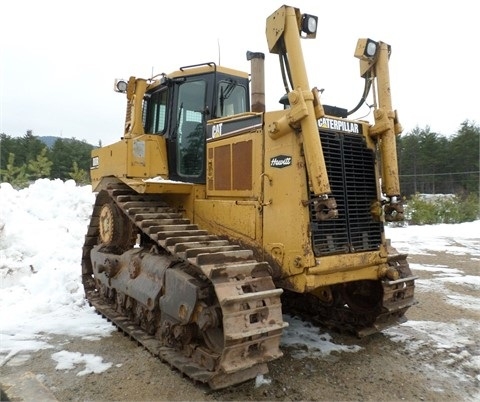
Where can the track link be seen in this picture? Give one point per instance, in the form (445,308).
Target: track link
(250,304)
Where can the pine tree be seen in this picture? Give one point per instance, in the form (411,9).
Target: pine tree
(15,175)
(41,167)
(79,175)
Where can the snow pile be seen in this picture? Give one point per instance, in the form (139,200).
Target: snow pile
(42,230)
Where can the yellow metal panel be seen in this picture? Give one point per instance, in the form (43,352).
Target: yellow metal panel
(231,218)
(286,214)
(340,268)
(307,283)
(141,157)
(147,157)
(108,161)
(345,262)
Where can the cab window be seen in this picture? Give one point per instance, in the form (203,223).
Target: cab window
(156,116)
(230,99)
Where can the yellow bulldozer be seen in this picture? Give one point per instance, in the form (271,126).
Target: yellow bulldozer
(214,217)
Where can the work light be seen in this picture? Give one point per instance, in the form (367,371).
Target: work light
(309,24)
(366,49)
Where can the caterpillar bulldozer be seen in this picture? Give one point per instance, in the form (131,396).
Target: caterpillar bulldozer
(213,217)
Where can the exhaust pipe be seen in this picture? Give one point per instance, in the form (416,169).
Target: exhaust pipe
(257,68)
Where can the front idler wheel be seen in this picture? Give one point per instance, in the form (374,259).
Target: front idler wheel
(115,229)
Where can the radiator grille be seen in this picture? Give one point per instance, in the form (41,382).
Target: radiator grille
(351,171)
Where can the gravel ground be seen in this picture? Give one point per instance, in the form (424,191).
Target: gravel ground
(384,368)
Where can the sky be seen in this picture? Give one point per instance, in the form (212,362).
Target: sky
(41,292)
(59,59)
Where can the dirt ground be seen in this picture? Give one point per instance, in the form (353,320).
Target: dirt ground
(383,370)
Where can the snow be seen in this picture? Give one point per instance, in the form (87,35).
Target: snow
(309,342)
(42,230)
(160,179)
(452,238)
(452,340)
(69,361)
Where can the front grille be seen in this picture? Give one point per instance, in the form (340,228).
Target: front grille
(351,171)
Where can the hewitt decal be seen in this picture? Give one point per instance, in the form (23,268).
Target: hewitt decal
(280,161)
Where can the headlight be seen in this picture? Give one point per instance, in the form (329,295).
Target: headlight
(120,86)
(371,48)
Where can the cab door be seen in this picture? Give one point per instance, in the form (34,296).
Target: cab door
(188,144)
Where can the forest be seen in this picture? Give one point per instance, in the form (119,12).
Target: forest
(433,164)
(25,159)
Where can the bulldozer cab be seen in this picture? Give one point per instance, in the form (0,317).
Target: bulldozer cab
(180,106)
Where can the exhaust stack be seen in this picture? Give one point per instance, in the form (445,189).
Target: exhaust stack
(257,68)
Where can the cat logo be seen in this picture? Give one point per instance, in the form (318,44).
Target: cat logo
(217,130)
(338,125)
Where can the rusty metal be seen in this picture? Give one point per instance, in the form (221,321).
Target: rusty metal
(394,212)
(325,208)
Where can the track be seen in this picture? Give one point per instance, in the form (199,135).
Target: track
(204,305)
(229,322)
